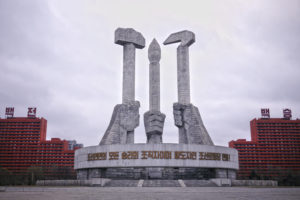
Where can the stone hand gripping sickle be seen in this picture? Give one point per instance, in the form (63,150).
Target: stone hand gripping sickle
(125,117)
(186,115)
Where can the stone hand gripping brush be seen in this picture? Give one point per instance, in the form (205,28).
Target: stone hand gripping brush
(154,119)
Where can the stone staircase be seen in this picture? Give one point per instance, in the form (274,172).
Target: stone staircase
(161,183)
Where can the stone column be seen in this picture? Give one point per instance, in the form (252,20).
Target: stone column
(154,76)
(183,75)
(128,73)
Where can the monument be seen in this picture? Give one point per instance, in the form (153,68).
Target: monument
(118,157)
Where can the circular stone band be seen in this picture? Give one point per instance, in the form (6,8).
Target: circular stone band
(156,155)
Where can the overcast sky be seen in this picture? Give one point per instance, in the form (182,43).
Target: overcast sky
(60,57)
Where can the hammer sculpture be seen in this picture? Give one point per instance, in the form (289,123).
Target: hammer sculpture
(154,119)
(130,40)
(187,117)
(125,117)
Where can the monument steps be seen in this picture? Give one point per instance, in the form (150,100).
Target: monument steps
(161,183)
(122,183)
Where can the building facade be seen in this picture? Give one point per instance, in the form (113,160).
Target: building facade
(23,145)
(274,149)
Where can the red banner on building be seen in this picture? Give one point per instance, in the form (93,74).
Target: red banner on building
(287,113)
(31,112)
(265,113)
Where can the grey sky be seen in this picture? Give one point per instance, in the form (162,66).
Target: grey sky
(59,56)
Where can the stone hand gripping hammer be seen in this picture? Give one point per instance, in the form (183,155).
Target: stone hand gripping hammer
(125,117)
(187,117)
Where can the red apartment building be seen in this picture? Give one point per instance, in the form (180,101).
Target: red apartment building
(274,147)
(23,144)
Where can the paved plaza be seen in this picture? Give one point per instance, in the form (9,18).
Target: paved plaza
(136,193)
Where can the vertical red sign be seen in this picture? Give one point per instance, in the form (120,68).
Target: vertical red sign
(9,112)
(265,113)
(31,112)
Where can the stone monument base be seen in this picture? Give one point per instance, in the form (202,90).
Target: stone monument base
(156,161)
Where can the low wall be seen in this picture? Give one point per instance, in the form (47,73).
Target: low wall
(254,183)
(221,182)
(91,182)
